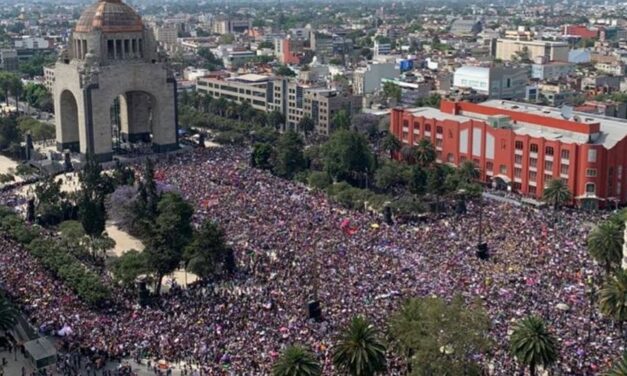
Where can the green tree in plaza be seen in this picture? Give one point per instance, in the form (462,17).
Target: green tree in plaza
(556,193)
(276,119)
(613,298)
(437,337)
(10,84)
(425,153)
(9,132)
(129,266)
(16,89)
(50,201)
(347,156)
(390,175)
(468,172)
(391,144)
(147,199)
(605,245)
(306,125)
(207,255)
(619,368)
(532,344)
(296,361)
(261,156)
(33,94)
(341,120)
(8,314)
(37,129)
(360,351)
(289,158)
(94,187)
(418,180)
(123,175)
(170,233)
(436,178)
(408,154)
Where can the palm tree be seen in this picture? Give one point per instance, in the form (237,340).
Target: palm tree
(391,144)
(619,368)
(532,344)
(425,153)
(556,193)
(613,298)
(359,351)
(408,153)
(296,361)
(8,314)
(5,85)
(605,244)
(468,171)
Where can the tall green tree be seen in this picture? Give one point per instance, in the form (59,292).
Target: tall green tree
(276,119)
(408,154)
(207,255)
(296,361)
(289,158)
(418,180)
(347,156)
(556,193)
(50,201)
(306,125)
(605,245)
(261,156)
(9,132)
(147,199)
(613,298)
(425,153)
(533,345)
(360,351)
(341,120)
(468,172)
(6,84)
(8,314)
(619,368)
(391,144)
(94,187)
(168,236)
(16,89)
(436,178)
(129,266)
(437,337)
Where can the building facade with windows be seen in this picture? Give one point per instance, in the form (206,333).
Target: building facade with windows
(523,147)
(292,99)
(502,82)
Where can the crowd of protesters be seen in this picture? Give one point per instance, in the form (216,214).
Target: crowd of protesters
(290,246)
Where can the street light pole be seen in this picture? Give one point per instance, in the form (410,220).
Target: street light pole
(480,220)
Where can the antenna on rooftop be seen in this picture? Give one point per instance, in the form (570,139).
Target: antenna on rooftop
(567,111)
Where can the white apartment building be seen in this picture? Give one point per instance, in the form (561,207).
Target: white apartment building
(500,82)
(367,80)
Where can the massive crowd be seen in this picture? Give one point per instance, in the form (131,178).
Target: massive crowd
(288,243)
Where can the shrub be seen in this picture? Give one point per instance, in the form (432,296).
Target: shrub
(54,257)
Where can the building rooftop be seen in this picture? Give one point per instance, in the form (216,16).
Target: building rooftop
(612,130)
(251,78)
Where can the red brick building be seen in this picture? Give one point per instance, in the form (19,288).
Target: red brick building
(523,146)
(581,31)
